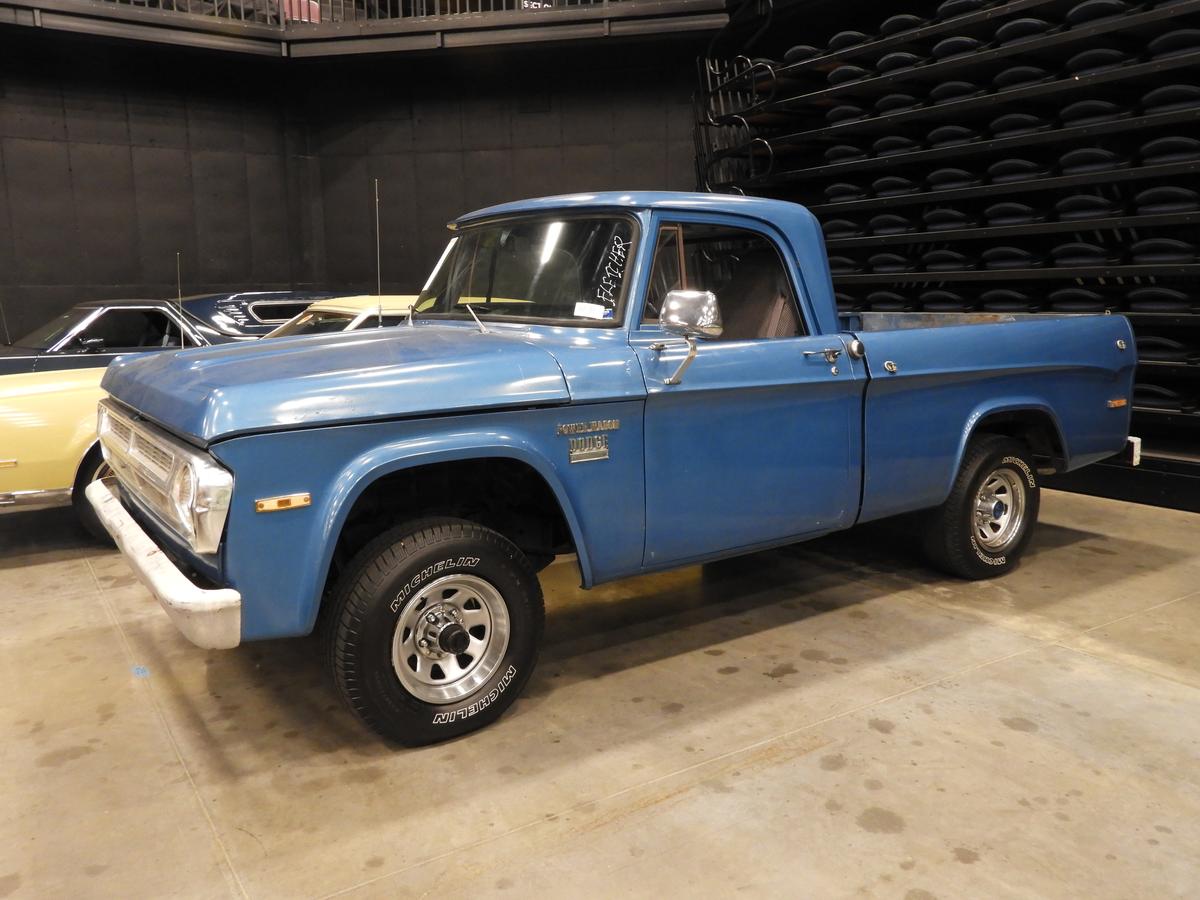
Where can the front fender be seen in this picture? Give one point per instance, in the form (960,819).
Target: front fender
(367,468)
(279,561)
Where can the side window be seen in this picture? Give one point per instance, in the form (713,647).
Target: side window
(667,272)
(132,329)
(743,268)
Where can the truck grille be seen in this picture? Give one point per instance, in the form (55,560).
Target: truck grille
(141,459)
(152,456)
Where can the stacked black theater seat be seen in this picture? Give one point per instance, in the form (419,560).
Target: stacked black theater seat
(1033,156)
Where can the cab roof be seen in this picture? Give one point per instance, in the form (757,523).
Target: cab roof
(757,207)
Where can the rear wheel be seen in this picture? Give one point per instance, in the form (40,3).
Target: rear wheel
(986,522)
(91,469)
(434,630)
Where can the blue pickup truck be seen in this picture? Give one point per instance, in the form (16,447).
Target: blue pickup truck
(646,380)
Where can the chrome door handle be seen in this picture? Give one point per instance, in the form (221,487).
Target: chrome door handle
(831,354)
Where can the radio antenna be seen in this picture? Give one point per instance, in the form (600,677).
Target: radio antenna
(378,258)
(179,297)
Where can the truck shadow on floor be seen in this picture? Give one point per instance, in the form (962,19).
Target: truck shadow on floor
(806,611)
(784,585)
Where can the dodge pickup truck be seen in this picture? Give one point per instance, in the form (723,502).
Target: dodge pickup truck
(644,380)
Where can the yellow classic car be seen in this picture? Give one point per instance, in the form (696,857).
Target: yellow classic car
(347,314)
(49,387)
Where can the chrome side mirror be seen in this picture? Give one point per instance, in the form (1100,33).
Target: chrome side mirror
(690,315)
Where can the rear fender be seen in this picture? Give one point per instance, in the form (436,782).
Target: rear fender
(992,408)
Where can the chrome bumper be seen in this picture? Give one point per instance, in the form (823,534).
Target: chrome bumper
(208,618)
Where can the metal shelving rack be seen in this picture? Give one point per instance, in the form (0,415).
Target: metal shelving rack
(761,129)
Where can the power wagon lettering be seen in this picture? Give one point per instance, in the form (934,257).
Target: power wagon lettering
(445,718)
(463,562)
(588,427)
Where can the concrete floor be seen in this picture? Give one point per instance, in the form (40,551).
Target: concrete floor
(827,720)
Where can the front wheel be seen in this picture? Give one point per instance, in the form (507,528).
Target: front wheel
(985,523)
(91,469)
(434,630)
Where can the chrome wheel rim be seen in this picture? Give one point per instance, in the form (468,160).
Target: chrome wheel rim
(450,638)
(999,509)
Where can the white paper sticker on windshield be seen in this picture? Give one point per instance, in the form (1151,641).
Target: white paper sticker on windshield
(592,311)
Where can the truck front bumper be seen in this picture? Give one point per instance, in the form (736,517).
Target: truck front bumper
(208,618)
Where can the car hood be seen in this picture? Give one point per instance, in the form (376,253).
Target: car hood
(217,392)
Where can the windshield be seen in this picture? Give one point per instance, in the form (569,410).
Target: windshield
(323,322)
(557,269)
(53,331)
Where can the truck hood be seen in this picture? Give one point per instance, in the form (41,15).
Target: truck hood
(216,392)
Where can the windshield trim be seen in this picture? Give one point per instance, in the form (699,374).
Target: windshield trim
(618,319)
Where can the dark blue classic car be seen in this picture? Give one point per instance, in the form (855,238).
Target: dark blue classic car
(250,313)
(90,335)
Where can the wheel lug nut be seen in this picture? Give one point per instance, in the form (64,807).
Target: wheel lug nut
(431,619)
(423,644)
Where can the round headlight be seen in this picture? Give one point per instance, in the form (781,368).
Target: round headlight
(183,492)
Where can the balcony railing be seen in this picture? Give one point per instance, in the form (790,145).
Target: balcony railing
(316,12)
(306,28)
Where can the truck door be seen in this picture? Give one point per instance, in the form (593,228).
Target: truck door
(760,441)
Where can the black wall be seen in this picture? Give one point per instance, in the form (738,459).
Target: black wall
(115,155)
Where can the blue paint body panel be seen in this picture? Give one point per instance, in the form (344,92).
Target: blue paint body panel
(343,377)
(758,445)
(948,379)
(604,503)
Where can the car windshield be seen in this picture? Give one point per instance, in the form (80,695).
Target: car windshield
(53,331)
(566,270)
(325,321)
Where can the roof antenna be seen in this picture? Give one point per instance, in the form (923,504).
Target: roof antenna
(179,297)
(471,310)
(378,264)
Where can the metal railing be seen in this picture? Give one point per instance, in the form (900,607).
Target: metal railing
(286,12)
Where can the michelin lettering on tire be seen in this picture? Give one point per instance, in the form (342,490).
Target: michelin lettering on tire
(463,562)
(990,560)
(1023,466)
(465,712)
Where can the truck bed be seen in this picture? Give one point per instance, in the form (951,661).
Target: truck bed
(935,377)
(899,321)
